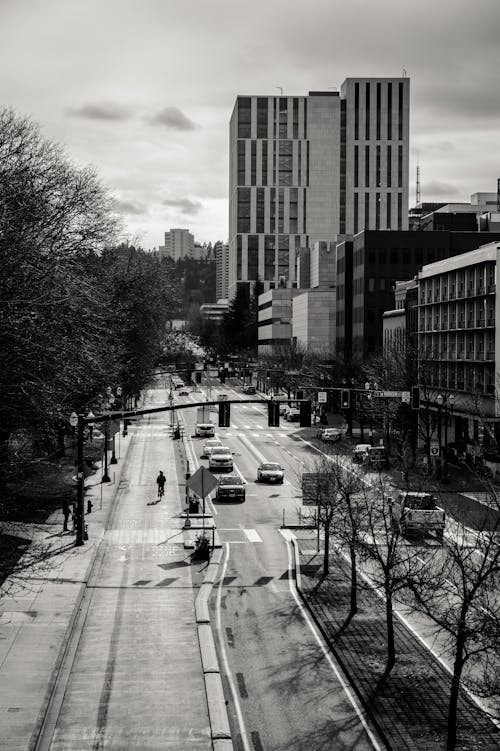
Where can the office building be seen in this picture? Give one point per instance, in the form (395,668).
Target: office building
(314,168)
(274,319)
(179,243)
(313,321)
(221,252)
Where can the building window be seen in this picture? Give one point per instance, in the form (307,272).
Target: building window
(244,117)
(283,129)
(356,166)
(400,112)
(307,164)
(367,211)
(295,118)
(293,210)
(299,164)
(356,212)
(389,166)
(260,210)
(269,257)
(305,118)
(253,257)
(238,256)
(367,166)
(241,162)
(285,162)
(272,210)
(243,209)
(356,111)
(253,163)
(367,111)
(281,210)
(379,98)
(388,208)
(262,116)
(377,167)
(400,210)
(389,111)
(264,162)
(304,212)
(377,210)
(283,256)
(400,166)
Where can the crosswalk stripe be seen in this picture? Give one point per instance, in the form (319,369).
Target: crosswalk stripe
(252,535)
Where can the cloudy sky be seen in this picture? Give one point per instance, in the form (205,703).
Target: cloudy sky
(143,89)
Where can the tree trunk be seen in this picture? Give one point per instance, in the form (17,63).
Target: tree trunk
(326,554)
(455,688)
(354,581)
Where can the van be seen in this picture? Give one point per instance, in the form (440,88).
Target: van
(205,429)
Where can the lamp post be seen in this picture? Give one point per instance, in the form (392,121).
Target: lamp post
(73,421)
(106,477)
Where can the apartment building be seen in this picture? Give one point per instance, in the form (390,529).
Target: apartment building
(221,252)
(179,243)
(314,168)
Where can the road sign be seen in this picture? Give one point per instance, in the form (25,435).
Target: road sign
(434,448)
(202,482)
(317,486)
(322,397)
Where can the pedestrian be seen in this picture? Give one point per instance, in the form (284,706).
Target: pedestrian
(65,510)
(160,481)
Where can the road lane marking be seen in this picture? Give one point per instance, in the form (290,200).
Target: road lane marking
(253,535)
(312,627)
(229,676)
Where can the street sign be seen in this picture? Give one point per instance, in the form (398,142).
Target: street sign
(434,448)
(202,482)
(317,486)
(322,397)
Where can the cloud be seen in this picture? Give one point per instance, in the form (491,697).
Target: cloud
(185,205)
(101,111)
(438,188)
(173,118)
(129,207)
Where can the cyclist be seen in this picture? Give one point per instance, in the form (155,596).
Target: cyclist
(160,481)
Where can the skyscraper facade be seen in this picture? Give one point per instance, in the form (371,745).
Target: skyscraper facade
(221,251)
(317,167)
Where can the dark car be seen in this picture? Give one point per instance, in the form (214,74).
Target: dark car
(231,487)
(249,390)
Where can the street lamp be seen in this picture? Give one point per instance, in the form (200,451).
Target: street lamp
(73,421)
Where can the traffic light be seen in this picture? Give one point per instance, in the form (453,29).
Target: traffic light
(273,414)
(300,394)
(224,414)
(345,398)
(415,397)
(305,415)
(198,376)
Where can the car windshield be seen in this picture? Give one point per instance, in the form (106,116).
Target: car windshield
(423,501)
(220,450)
(231,480)
(270,466)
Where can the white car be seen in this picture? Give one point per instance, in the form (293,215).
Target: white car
(270,472)
(205,429)
(332,435)
(221,458)
(183,392)
(209,445)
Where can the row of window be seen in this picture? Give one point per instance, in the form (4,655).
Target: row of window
(375,178)
(476,378)
(280,126)
(388,106)
(466,282)
(276,168)
(283,210)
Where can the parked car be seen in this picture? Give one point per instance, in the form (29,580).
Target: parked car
(229,488)
(417,512)
(248,389)
(205,429)
(270,472)
(378,457)
(360,452)
(292,414)
(284,407)
(332,435)
(209,445)
(184,391)
(221,458)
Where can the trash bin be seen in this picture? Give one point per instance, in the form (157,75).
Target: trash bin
(194,506)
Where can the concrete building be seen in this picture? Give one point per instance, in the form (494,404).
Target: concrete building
(400,325)
(214,311)
(479,214)
(313,321)
(179,243)
(459,345)
(368,267)
(221,252)
(275,319)
(311,168)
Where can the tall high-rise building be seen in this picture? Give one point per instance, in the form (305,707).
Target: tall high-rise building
(179,243)
(221,252)
(318,167)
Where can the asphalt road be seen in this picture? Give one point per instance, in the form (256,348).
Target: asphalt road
(284,690)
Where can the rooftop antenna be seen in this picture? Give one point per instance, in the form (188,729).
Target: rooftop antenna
(404,72)
(417,192)
(281,89)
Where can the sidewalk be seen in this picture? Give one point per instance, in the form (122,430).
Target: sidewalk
(410,709)
(37,622)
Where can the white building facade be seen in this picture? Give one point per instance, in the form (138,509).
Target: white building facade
(221,252)
(179,243)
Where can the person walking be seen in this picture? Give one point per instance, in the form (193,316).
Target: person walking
(160,481)
(65,510)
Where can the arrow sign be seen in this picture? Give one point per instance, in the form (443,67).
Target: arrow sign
(202,482)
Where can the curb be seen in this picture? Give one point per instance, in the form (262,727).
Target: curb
(328,642)
(217,708)
(56,670)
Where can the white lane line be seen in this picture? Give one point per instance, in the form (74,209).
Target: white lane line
(252,535)
(230,680)
(260,457)
(346,688)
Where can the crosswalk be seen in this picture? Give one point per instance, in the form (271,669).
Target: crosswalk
(172,535)
(153,431)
